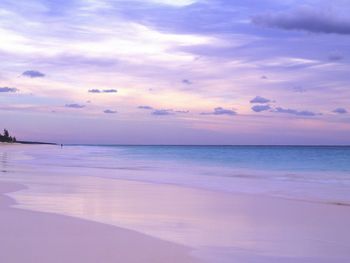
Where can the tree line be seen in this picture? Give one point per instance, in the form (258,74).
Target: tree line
(6,137)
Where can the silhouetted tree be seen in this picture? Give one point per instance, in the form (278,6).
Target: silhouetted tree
(6,137)
(6,133)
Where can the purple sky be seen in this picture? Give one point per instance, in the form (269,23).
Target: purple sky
(176,72)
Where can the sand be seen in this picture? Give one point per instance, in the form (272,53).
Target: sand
(35,237)
(169,223)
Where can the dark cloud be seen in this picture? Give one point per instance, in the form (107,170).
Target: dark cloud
(186,81)
(7,89)
(94,91)
(340,111)
(260,108)
(264,77)
(109,111)
(220,111)
(305,19)
(162,112)
(259,99)
(145,107)
(109,91)
(74,106)
(33,74)
(103,91)
(296,112)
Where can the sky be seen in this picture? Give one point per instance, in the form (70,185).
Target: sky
(176,72)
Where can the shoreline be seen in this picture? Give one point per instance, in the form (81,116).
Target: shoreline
(213,226)
(231,227)
(29,236)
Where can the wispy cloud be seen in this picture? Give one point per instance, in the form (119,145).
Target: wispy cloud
(305,113)
(169,56)
(177,3)
(182,111)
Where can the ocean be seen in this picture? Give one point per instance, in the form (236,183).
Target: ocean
(317,173)
(225,202)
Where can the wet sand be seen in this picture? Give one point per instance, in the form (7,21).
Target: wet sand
(33,237)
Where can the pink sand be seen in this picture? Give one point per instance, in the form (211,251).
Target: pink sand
(34,237)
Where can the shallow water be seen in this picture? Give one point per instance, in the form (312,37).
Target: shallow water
(161,194)
(297,172)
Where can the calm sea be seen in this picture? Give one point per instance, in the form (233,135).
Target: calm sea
(304,172)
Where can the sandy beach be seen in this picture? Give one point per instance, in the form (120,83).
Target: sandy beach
(73,214)
(34,237)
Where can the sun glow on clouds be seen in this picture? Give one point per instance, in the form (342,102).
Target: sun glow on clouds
(128,42)
(146,52)
(178,3)
(134,40)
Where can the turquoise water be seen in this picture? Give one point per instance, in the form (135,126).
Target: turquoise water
(302,172)
(277,158)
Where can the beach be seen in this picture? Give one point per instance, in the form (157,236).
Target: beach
(54,211)
(42,237)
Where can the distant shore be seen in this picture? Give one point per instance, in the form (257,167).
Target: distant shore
(30,142)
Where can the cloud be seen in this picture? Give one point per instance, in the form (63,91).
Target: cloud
(109,91)
(162,112)
(145,107)
(182,111)
(259,99)
(74,106)
(299,89)
(187,82)
(103,91)
(335,56)
(260,108)
(220,111)
(94,91)
(177,3)
(296,112)
(264,77)
(7,89)
(305,19)
(33,74)
(109,111)
(340,111)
